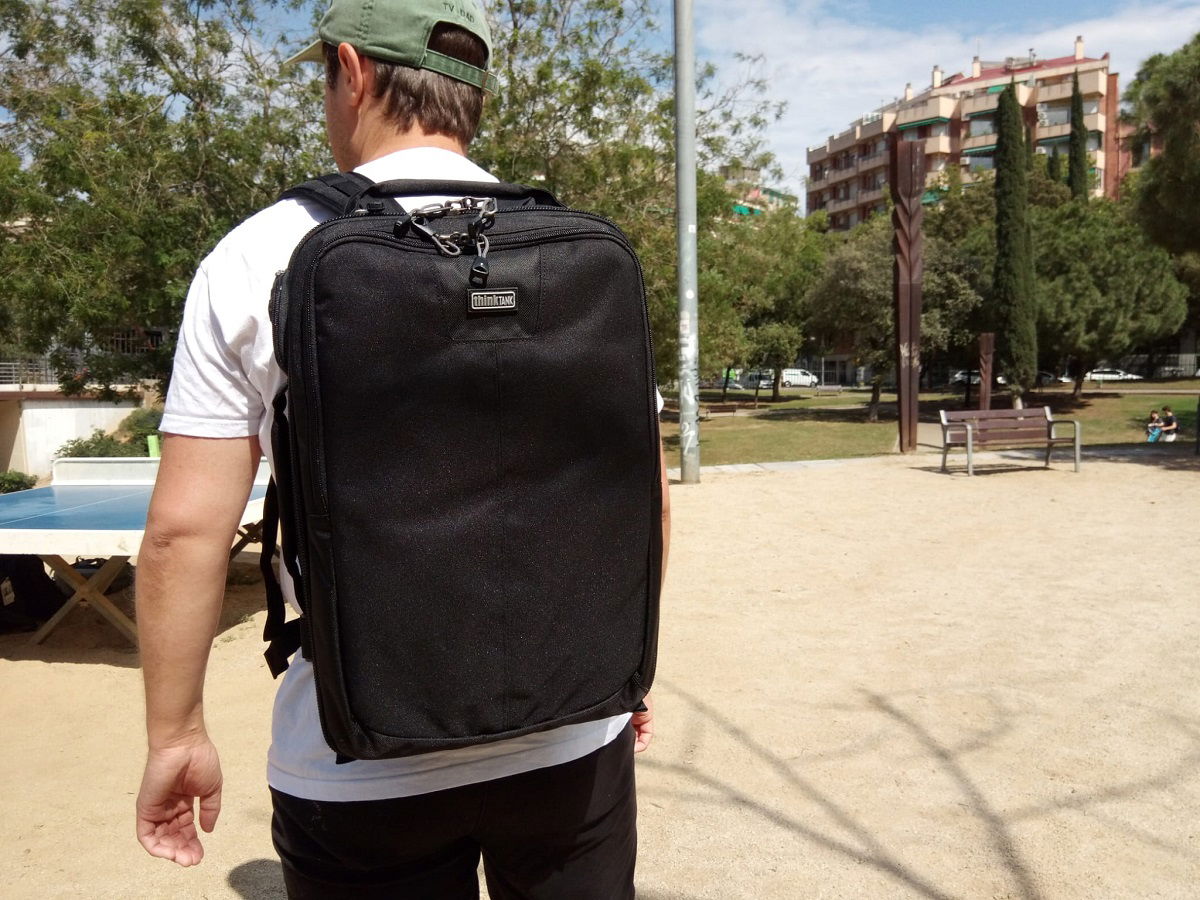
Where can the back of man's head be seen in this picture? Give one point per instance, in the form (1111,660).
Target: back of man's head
(429,57)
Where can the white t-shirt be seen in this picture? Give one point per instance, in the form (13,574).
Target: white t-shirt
(224,379)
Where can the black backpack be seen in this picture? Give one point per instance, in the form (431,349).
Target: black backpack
(466,467)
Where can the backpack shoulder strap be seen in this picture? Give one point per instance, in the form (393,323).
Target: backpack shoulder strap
(339,192)
(284,637)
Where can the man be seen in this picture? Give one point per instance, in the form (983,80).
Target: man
(553,814)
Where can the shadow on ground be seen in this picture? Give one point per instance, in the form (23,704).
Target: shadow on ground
(258,879)
(861,845)
(85,637)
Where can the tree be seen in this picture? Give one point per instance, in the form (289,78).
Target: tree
(586,109)
(1164,102)
(1078,165)
(1012,297)
(850,306)
(1054,168)
(137,134)
(1097,304)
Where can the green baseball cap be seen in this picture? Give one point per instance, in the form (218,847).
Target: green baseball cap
(398,31)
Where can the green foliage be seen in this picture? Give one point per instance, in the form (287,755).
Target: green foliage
(1097,304)
(12,481)
(1044,189)
(586,108)
(1054,168)
(755,273)
(1164,102)
(98,444)
(851,305)
(1013,306)
(140,424)
(139,133)
(1077,162)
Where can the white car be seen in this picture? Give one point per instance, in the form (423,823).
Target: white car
(799,378)
(1111,375)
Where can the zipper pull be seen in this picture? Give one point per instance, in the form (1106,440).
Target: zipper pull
(479,268)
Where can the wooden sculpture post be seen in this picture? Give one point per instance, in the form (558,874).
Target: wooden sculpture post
(908,186)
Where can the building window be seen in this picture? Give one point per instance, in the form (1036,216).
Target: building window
(939,129)
(1051,114)
(981,125)
(980,162)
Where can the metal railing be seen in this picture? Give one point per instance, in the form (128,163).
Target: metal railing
(27,371)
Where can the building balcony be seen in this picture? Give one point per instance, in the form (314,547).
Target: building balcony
(935,145)
(837,176)
(1090,84)
(874,161)
(1094,122)
(979,141)
(844,141)
(833,207)
(934,109)
(818,180)
(985,100)
(874,195)
(875,127)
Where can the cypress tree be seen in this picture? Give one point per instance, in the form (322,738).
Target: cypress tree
(1013,303)
(1077,163)
(1054,168)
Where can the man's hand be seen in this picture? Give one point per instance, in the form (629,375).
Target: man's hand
(174,779)
(643,726)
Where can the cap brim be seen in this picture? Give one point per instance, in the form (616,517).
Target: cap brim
(314,52)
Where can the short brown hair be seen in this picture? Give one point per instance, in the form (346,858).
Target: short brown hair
(438,103)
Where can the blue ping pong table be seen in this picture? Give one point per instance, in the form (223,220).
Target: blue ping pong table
(95,508)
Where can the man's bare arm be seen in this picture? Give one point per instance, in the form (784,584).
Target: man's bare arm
(201,491)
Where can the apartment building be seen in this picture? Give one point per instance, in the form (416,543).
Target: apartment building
(750,196)
(955,119)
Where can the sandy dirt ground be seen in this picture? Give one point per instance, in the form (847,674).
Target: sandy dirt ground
(875,681)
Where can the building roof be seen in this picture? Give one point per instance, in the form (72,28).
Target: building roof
(1002,69)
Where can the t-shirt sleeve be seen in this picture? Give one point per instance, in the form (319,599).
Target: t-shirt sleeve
(210,393)
(658,394)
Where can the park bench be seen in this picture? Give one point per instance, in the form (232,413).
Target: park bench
(718,409)
(828,389)
(1003,428)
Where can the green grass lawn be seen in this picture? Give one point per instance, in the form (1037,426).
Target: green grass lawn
(788,432)
(1111,418)
(804,426)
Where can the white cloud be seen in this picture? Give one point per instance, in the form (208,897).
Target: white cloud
(832,64)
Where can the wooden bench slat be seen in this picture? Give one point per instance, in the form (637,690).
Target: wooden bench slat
(1031,412)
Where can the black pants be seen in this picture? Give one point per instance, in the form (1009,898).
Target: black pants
(566,831)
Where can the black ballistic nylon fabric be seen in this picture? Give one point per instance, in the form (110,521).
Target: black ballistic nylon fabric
(479,493)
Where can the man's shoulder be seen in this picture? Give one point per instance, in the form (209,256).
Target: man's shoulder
(267,238)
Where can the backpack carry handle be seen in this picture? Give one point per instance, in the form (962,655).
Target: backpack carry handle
(498,189)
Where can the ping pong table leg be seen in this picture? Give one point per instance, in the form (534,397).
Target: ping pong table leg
(88,591)
(250,533)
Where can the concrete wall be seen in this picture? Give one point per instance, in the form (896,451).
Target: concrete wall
(47,424)
(12,447)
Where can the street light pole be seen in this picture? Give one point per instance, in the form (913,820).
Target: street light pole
(685,214)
